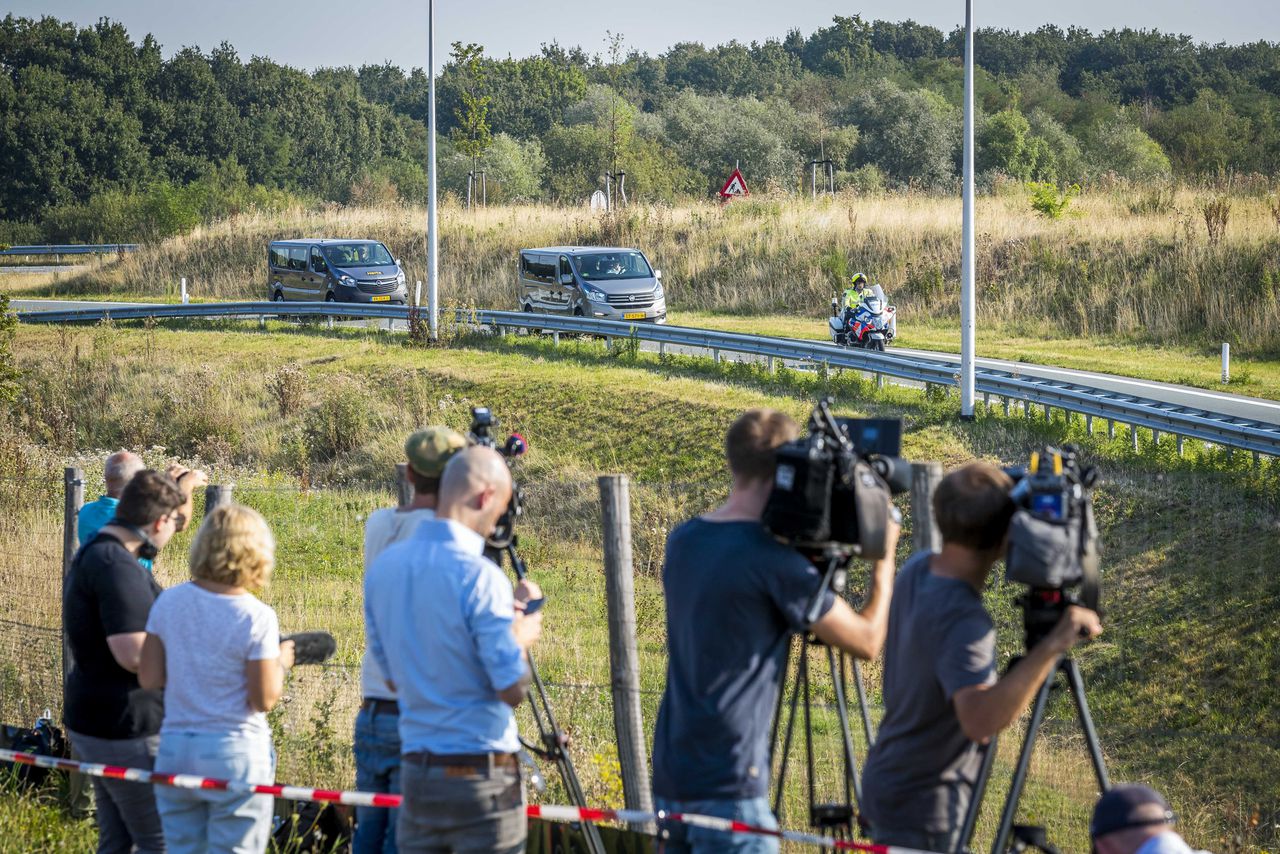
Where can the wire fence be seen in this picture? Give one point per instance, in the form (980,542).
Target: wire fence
(1184,694)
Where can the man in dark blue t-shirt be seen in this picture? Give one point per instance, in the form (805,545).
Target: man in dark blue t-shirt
(734,597)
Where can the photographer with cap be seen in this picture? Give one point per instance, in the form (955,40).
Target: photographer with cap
(452,638)
(1133,819)
(941,695)
(734,598)
(377,726)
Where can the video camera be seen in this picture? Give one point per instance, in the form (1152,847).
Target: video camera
(483,426)
(832,487)
(1053,538)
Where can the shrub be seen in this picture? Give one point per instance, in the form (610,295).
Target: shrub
(1216,213)
(288,387)
(1048,201)
(339,421)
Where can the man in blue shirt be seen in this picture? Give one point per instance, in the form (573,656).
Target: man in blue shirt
(734,598)
(118,471)
(451,638)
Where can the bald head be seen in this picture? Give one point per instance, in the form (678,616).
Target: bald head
(120,469)
(475,489)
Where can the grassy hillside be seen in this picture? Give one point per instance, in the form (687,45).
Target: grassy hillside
(307,424)
(1126,264)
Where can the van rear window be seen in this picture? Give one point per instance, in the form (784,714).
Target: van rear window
(278,256)
(541,268)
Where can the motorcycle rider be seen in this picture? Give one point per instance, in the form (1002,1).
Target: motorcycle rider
(858,290)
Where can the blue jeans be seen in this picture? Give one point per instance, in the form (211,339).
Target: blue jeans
(377,749)
(198,820)
(683,839)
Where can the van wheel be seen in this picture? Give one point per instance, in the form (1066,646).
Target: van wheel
(329,297)
(278,296)
(528,309)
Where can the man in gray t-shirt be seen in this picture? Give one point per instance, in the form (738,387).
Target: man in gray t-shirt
(941,696)
(924,765)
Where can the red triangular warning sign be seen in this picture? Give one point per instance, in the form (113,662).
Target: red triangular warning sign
(735,186)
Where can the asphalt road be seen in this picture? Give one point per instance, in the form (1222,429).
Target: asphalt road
(1222,403)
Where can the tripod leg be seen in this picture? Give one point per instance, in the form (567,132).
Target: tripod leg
(1086,723)
(861,688)
(808,726)
(786,740)
(1024,763)
(782,696)
(979,792)
(852,785)
(573,786)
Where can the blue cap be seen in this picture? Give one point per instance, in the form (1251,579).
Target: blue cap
(1129,806)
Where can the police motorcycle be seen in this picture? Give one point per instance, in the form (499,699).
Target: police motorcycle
(870,325)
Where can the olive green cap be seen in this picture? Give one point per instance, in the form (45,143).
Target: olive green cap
(428,450)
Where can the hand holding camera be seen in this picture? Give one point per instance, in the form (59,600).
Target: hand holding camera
(1076,625)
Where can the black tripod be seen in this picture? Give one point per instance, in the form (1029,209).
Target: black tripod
(836,819)
(554,741)
(1026,836)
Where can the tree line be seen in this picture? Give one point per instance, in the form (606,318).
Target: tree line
(102,137)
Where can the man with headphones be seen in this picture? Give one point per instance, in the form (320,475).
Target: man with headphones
(106,598)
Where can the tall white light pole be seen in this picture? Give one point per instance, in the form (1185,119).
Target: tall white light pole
(966,259)
(433,244)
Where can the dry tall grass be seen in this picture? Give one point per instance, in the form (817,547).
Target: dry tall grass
(1118,264)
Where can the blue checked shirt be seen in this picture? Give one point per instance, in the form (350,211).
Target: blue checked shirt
(439,616)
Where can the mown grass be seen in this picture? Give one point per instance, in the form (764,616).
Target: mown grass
(1181,684)
(1106,271)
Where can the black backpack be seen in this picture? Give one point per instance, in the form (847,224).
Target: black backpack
(43,739)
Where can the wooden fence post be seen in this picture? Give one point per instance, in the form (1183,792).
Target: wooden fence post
(925,478)
(403,488)
(624,659)
(73,489)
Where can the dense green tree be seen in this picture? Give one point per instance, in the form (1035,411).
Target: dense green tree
(912,136)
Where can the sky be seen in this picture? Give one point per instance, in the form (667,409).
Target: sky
(317,33)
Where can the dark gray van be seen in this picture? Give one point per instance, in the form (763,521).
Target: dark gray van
(591,281)
(334,270)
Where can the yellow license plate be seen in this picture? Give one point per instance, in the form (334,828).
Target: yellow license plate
(383,298)
(633,315)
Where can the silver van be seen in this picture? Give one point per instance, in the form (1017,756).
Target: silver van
(334,270)
(591,281)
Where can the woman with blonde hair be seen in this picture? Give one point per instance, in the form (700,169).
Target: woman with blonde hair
(215,650)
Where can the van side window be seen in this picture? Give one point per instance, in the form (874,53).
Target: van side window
(565,269)
(298,258)
(317,261)
(525,265)
(277,256)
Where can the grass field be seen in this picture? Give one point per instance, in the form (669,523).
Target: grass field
(307,424)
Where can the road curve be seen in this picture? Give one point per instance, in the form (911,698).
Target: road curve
(1221,403)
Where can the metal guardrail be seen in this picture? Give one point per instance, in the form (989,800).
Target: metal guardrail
(1256,436)
(72,249)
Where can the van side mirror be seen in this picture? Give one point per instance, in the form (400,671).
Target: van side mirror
(396,261)
(657,274)
(566,279)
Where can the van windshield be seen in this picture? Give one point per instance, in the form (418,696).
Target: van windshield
(612,265)
(357,255)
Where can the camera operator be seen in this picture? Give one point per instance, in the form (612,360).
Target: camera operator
(734,597)
(941,695)
(452,640)
(377,727)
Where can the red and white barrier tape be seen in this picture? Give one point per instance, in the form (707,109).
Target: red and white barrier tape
(374,799)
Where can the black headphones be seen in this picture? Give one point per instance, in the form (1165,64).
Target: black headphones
(148,550)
